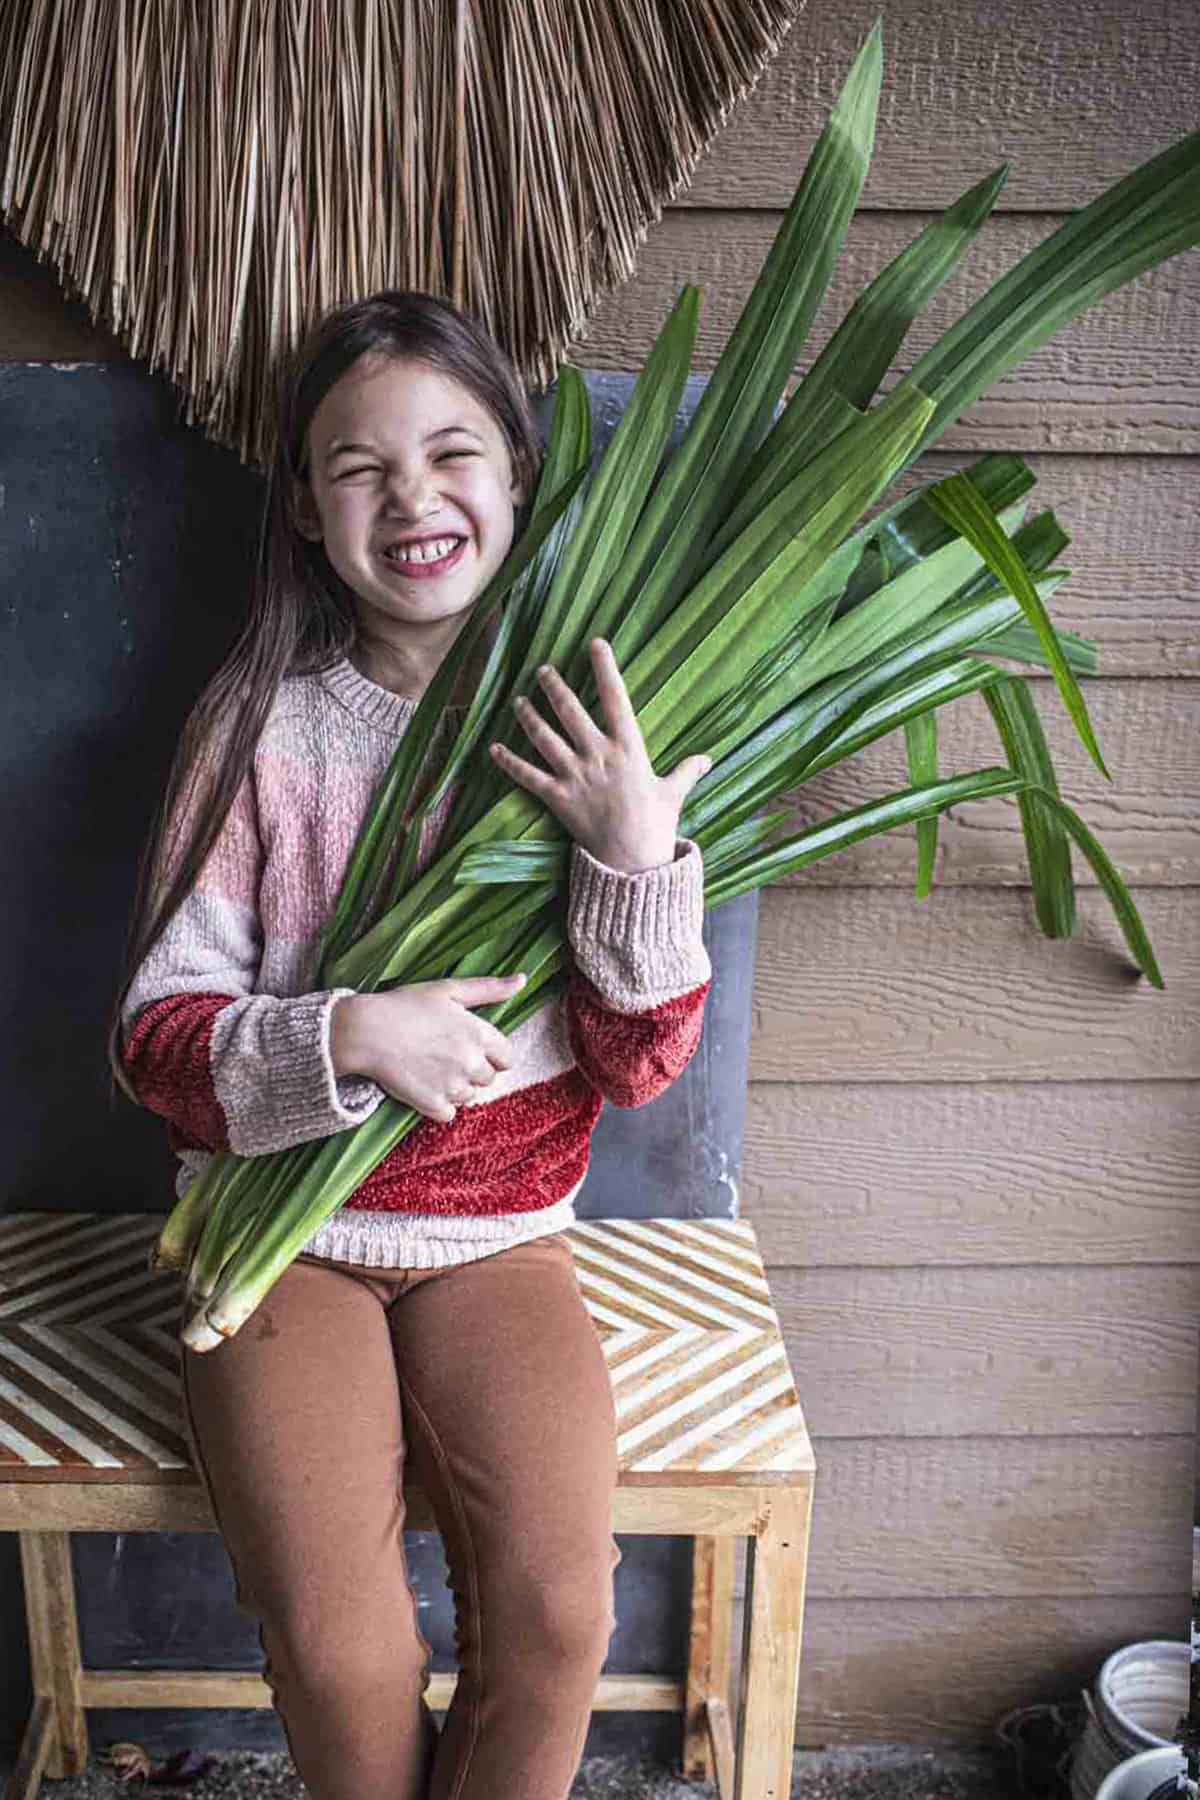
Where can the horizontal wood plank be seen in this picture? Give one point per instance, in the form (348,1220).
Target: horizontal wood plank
(931,1352)
(946,1671)
(973,1173)
(1123,376)
(1147,817)
(988,1517)
(1072,98)
(868,984)
(220,1688)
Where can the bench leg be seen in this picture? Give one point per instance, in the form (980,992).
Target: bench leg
(707,1737)
(26,1777)
(54,1646)
(776,1563)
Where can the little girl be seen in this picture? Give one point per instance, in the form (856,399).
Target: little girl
(434,1323)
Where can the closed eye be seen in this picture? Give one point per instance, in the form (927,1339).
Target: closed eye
(372,468)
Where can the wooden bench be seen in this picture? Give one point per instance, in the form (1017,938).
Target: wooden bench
(712,1445)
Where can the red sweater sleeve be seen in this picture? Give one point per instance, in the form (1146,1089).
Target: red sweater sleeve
(167,1059)
(632,1057)
(640,972)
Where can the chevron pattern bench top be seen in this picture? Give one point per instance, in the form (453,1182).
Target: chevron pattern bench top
(89,1352)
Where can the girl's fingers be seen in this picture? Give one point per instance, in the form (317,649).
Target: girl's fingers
(574,714)
(558,754)
(686,774)
(536,780)
(614,695)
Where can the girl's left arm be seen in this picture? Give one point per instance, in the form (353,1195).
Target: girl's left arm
(640,972)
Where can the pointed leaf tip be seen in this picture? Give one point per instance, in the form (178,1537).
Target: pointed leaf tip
(865,76)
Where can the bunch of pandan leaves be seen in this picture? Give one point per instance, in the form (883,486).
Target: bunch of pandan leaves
(754,615)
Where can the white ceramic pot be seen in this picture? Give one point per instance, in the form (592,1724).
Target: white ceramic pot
(1140,1693)
(1138,1778)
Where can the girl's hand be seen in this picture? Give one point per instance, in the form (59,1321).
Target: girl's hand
(421,1042)
(602,785)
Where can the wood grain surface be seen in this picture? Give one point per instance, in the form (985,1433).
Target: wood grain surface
(863,985)
(1072,97)
(966,1173)
(1008,1352)
(1123,376)
(928,1671)
(1063,1517)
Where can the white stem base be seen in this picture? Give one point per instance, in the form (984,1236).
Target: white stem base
(199,1335)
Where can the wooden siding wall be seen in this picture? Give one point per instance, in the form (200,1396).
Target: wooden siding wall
(972,1154)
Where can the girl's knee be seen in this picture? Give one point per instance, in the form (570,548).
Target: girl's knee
(324,1646)
(569,1613)
(330,1670)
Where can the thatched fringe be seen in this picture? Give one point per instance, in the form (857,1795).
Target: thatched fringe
(209,176)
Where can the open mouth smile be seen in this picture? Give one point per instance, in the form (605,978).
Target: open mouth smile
(425,560)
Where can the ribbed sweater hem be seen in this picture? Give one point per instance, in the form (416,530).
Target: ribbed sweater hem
(389,1240)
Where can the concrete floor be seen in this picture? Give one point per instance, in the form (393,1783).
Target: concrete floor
(880,1772)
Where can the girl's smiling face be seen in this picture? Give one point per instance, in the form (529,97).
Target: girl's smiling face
(398,450)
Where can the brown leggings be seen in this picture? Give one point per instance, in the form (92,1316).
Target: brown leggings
(488,1381)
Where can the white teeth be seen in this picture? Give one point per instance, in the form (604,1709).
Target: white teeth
(424,553)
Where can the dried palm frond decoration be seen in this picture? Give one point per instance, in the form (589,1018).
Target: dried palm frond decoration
(209,176)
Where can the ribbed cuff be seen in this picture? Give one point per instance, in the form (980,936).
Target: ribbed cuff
(279,1087)
(638,938)
(354,1097)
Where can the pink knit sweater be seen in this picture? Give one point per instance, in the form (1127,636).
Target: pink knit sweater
(226,1039)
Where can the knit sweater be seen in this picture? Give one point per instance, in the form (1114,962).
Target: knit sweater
(225,1037)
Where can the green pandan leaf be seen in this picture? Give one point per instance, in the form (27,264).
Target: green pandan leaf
(920,744)
(963,506)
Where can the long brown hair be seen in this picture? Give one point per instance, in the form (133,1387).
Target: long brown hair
(301,616)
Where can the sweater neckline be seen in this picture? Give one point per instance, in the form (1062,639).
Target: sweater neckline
(378,705)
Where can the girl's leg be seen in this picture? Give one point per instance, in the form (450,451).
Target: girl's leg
(511,1432)
(295,1429)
